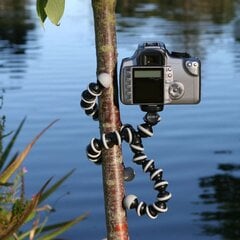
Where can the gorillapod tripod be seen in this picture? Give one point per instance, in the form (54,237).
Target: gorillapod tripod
(133,137)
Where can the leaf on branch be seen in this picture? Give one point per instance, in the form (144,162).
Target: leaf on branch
(53,9)
(41,4)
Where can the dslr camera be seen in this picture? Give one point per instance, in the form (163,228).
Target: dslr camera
(154,76)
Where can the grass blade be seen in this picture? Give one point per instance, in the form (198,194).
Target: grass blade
(4,176)
(54,187)
(18,221)
(60,228)
(10,145)
(62,224)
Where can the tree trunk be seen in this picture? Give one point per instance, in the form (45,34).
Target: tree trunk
(109,117)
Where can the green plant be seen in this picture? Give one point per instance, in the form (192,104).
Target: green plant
(53,9)
(16,210)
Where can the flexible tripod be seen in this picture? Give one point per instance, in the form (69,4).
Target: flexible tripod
(133,137)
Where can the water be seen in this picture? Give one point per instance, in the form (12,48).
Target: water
(43,73)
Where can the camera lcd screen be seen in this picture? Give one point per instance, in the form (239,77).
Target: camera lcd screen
(148,85)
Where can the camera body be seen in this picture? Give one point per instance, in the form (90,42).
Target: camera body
(154,76)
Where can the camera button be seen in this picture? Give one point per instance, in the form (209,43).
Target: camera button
(128,81)
(128,74)
(192,67)
(168,75)
(176,90)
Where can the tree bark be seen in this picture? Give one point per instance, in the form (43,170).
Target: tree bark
(109,118)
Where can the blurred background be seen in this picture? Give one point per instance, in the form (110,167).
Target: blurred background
(44,70)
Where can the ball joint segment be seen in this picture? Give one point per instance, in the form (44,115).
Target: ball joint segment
(133,137)
(89,100)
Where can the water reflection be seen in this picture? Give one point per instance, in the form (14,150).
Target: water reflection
(183,22)
(221,11)
(237,29)
(195,26)
(222,190)
(200,27)
(15,23)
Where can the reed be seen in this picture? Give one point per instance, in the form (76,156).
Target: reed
(16,210)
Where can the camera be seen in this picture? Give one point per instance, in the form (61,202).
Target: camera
(154,76)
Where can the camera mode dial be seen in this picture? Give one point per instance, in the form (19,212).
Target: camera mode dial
(176,90)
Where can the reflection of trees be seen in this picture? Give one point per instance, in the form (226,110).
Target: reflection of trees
(222,190)
(187,20)
(15,23)
(220,11)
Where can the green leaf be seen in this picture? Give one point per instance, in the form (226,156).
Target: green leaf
(53,230)
(41,4)
(6,184)
(54,187)
(8,172)
(10,145)
(60,228)
(18,221)
(54,10)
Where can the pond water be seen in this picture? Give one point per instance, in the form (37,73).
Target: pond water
(44,71)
